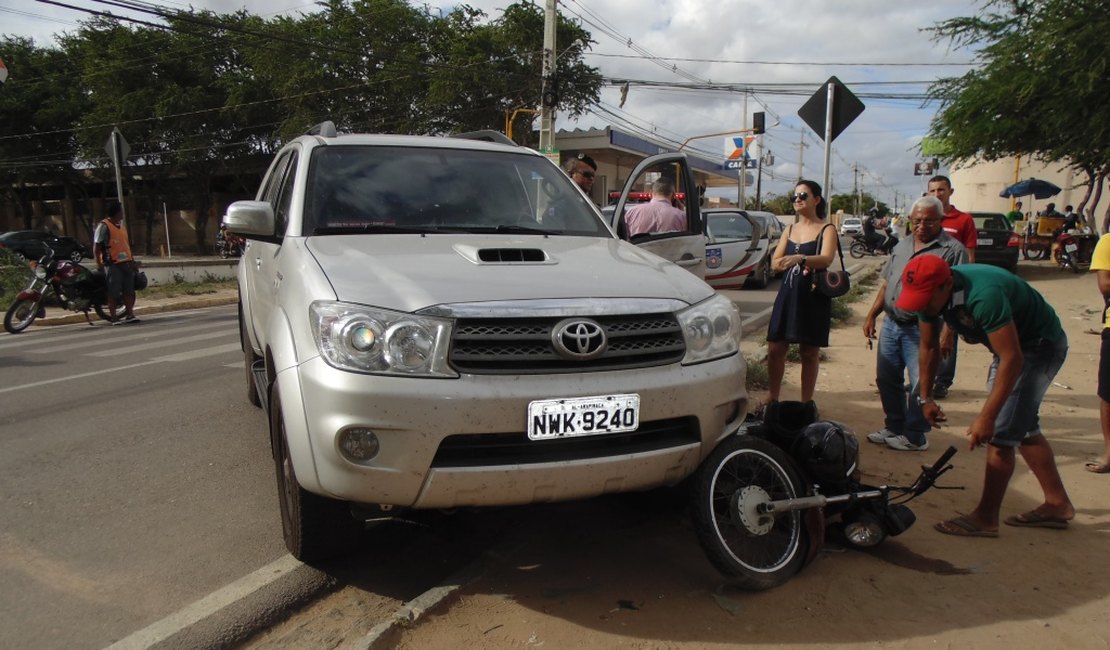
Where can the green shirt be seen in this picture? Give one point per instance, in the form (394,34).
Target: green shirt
(986,298)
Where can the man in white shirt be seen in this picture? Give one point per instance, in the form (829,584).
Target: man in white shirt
(659,215)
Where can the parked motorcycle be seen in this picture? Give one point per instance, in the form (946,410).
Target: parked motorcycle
(228,244)
(760,514)
(861,246)
(75,287)
(1072,251)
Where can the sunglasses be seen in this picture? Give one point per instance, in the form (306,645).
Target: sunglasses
(800,196)
(586,174)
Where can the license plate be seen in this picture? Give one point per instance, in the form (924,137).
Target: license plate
(583,416)
(985,242)
(1071,248)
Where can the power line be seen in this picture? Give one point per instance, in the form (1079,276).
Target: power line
(858,64)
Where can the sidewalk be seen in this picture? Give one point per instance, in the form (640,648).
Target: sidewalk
(59,316)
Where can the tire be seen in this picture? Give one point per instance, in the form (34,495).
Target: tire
(76,255)
(762,276)
(102,312)
(249,358)
(757,553)
(314,528)
(857,250)
(222,251)
(21,314)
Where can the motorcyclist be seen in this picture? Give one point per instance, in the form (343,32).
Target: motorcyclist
(876,236)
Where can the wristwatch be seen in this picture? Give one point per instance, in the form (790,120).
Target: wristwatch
(922,401)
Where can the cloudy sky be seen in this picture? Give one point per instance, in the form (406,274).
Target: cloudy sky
(781,50)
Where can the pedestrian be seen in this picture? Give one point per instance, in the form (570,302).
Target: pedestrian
(112,250)
(582,170)
(960,225)
(874,234)
(1015,215)
(801,315)
(657,215)
(905,428)
(994,307)
(1100,264)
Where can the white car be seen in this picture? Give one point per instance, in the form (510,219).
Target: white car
(851,226)
(741,244)
(442,322)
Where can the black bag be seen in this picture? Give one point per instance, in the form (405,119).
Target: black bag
(784,421)
(829,452)
(140,281)
(831,282)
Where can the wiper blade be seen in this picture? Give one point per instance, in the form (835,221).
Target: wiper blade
(513,228)
(378,228)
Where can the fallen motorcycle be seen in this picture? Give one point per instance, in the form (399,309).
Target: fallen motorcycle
(760,514)
(75,287)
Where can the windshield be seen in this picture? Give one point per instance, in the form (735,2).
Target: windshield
(991,222)
(371,189)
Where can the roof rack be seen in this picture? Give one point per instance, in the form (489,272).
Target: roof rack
(488,135)
(324,129)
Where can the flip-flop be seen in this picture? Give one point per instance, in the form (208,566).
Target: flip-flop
(963,527)
(1034,519)
(1097,467)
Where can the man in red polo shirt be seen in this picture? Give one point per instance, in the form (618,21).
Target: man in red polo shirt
(961,226)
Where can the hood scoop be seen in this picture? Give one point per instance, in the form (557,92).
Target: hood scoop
(504,255)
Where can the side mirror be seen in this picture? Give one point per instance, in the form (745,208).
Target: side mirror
(250,218)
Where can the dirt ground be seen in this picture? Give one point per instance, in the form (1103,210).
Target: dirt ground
(628,572)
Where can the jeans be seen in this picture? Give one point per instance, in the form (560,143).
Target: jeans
(898,354)
(1020,415)
(946,368)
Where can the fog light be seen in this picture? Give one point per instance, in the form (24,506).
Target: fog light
(358,444)
(864,533)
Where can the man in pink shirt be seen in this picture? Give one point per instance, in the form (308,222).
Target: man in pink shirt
(961,226)
(659,215)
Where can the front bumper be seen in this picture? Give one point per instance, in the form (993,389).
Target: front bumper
(427,428)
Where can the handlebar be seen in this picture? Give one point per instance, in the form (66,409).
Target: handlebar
(942,461)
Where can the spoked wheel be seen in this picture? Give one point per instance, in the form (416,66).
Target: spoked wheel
(857,250)
(759,551)
(102,312)
(20,315)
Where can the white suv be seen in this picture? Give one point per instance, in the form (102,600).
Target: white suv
(442,322)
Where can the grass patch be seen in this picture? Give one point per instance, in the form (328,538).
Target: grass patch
(757,378)
(841,307)
(180,287)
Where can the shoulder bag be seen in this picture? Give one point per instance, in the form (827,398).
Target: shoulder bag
(831,282)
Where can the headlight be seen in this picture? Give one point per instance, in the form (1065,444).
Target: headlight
(40,272)
(711,329)
(364,339)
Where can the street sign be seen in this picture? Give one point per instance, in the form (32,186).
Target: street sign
(117,147)
(747,163)
(551,153)
(846,108)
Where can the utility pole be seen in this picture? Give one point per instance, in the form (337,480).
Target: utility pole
(802,157)
(855,187)
(744,169)
(547,108)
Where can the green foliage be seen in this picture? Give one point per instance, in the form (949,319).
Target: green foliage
(1040,90)
(757,377)
(15,275)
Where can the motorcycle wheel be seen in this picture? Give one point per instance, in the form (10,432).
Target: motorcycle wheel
(857,250)
(223,252)
(757,551)
(102,312)
(20,315)
(314,528)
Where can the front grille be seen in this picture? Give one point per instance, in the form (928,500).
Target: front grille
(524,346)
(485,449)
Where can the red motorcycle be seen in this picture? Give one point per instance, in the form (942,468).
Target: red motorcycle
(228,244)
(75,287)
(1072,251)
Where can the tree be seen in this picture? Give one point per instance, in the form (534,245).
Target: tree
(1040,90)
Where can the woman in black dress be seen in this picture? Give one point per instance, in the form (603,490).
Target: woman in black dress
(801,315)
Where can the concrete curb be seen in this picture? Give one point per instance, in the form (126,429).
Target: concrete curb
(141,310)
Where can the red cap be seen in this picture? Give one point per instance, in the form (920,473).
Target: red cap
(920,278)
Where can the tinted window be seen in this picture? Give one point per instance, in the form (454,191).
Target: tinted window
(435,189)
(285,197)
(991,222)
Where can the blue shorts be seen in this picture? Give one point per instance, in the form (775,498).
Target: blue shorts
(1020,415)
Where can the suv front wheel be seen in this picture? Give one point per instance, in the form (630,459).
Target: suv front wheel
(315,528)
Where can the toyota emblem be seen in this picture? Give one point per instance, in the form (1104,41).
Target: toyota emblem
(579,339)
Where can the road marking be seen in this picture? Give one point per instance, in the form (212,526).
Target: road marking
(80,376)
(182,356)
(191,614)
(50,349)
(161,343)
(203,352)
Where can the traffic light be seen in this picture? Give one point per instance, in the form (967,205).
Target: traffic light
(550,96)
(758,122)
